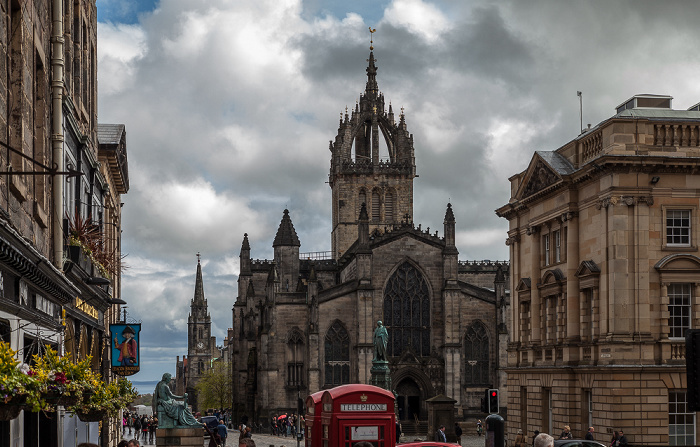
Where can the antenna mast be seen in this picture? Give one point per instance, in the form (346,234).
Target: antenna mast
(580,108)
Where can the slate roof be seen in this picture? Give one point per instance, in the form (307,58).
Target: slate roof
(286,234)
(558,162)
(109,133)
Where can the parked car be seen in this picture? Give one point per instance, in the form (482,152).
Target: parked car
(211,422)
(428,444)
(577,443)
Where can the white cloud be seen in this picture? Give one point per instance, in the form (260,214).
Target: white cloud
(419,17)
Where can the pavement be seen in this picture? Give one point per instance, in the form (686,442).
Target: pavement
(263,440)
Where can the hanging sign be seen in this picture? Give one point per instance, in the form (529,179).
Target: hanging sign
(125,348)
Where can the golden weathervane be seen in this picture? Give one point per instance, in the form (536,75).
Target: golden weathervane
(371,42)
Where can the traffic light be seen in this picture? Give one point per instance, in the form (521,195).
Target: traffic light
(493,401)
(692,368)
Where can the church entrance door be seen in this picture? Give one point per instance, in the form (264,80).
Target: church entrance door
(409,399)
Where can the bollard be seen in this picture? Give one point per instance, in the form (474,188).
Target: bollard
(495,431)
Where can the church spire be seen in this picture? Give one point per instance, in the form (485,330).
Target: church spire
(286,234)
(372,88)
(199,284)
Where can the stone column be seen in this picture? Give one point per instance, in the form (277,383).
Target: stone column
(535,305)
(664,311)
(572,310)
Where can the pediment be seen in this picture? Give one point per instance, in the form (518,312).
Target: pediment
(539,175)
(678,262)
(524,285)
(553,276)
(587,268)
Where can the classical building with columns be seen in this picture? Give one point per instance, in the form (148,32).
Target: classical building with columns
(605,276)
(303,322)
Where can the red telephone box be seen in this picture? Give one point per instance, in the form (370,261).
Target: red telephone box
(354,413)
(313,419)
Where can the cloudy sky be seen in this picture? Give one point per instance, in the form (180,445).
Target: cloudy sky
(229,106)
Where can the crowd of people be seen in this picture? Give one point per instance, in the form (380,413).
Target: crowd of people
(286,425)
(139,427)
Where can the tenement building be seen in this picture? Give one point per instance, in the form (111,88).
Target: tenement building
(304,322)
(60,207)
(603,236)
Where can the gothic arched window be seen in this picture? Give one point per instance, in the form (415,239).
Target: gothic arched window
(476,355)
(375,206)
(407,311)
(362,199)
(389,206)
(295,363)
(337,355)
(200,367)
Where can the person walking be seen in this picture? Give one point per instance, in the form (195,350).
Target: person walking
(520,439)
(566,434)
(137,428)
(614,442)
(589,434)
(440,434)
(458,433)
(223,432)
(622,440)
(398,431)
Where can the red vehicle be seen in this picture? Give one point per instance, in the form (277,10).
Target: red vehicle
(354,413)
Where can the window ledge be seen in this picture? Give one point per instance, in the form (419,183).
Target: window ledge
(681,248)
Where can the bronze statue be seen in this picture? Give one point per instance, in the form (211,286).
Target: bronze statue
(171,413)
(381,338)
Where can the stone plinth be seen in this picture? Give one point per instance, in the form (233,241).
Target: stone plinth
(180,436)
(381,376)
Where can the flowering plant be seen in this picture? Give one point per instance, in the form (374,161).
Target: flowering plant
(107,398)
(15,377)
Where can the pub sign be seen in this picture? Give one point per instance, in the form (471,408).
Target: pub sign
(125,341)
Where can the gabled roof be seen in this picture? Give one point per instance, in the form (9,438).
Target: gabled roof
(547,168)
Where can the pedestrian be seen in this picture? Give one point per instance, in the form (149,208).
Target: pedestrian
(614,441)
(130,422)
(479,427)
(248,432)
(458,433)
(137,428)
(544,440)
(123,425)
(123,443)
(152,430)
(246,442)
(537,432)
(223,432)
(134,442)
(440,434)
(622,440)
(589,434)
(520,439)
(144,427)
(566,434)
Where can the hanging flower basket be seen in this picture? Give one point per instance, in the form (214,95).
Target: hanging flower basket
(11,409)
(58,398)
(91,415)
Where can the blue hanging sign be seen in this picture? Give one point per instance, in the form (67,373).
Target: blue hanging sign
(125,348)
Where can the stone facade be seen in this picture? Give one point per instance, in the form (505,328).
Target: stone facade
(603,240)
(303,323)
(51,290)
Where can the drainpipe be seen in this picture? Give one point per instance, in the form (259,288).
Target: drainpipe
(57,63)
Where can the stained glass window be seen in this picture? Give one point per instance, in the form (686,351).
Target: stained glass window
(407,311)
(476,355)
(337,355)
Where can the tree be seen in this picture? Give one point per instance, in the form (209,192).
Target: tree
(214,388)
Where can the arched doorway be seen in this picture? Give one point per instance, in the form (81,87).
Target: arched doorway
(408,400)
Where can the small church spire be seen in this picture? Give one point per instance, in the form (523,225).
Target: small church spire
(199,284)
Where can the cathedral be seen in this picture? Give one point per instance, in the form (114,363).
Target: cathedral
(303,323)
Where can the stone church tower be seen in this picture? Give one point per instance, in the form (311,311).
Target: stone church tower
(199,340)
(372,162)
(303,323)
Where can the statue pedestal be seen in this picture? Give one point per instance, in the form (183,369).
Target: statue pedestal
(180,436)
(380,374)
